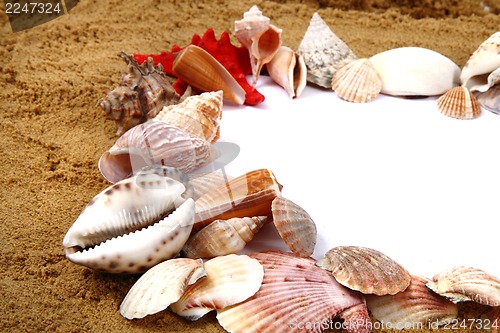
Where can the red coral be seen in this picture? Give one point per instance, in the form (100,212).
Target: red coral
(235,59)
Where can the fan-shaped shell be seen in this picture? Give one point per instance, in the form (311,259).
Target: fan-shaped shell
(462,283)
(288,69)
(416,304)
(230,279)
(161,286)
(366,270)
(295,226)
(490,100)
(459,103)
(324,52)
(357,81)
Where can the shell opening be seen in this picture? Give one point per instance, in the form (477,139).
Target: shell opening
(115,167)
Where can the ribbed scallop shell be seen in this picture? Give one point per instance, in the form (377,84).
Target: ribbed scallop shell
(294,292)
(223,237)
(416,304)
(288,69)
(161,286)
(250,194)
(295,226)
(357,81)
(459,103)
(462,283)
(230,280)
(490,100)
(324,53)
(198,115)
(366,270)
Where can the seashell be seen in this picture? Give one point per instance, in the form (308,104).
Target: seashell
(230,279)
(261,38)
(123,106)
(223,237)
(250,194)
(475,75)
(131,225)
(459,103)
(204,183)
(462,283)
(198,115)
(161,286)
(153,143)
(366,270)
(201,70)
(356,319)
(490,99)
(417,304)
(295,226)
(293,291)
(288,69)
(357,81)
(415,71)
(324,52)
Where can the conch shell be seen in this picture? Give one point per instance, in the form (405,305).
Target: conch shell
(261,38)
(288,69)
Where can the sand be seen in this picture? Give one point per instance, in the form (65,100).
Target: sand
(53,131)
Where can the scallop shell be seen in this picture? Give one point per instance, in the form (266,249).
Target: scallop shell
(459,103)
(131,225)
(198,115)
(366,270)
(417,304)
(230,279)
(462,283)
(357,81)
(485,60)
(294,292)
(324,53)
(295,226)
(250,194)
(200,69)
(161,286)
(223,237)
(490,100)
(288,69)
(153,143)
(415,71)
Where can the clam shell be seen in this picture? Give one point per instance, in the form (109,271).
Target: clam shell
(201,70)
(250,194)
(288,69)
(459,103)
(366,270)
(490,100)
(324,53)
(357,81)
(295,226)
(230,279)
(485,60)
(223,237)
(161,286)
(417,304)
(415,71)
(294,292)
(153,143)
(462,283)
(198,115)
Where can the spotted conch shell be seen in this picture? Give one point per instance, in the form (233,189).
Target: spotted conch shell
(288,69)
(324,52)
(261,38)
(198,115)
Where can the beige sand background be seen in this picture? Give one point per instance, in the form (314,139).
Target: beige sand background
(52,132)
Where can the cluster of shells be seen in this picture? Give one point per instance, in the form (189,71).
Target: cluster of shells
(184,229)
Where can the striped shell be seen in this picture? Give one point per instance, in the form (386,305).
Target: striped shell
(366,270)
(357,81)
(459,103)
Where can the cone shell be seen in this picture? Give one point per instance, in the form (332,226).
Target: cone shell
(198,115)
(230,279)
(250,194)
(366,270)
(417,304)
(462,283)
(357,81)
(201,70)
(288,69)
(490,100)
(294,290)
(295,226)
(324,53)
(459,103)
(161,286)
